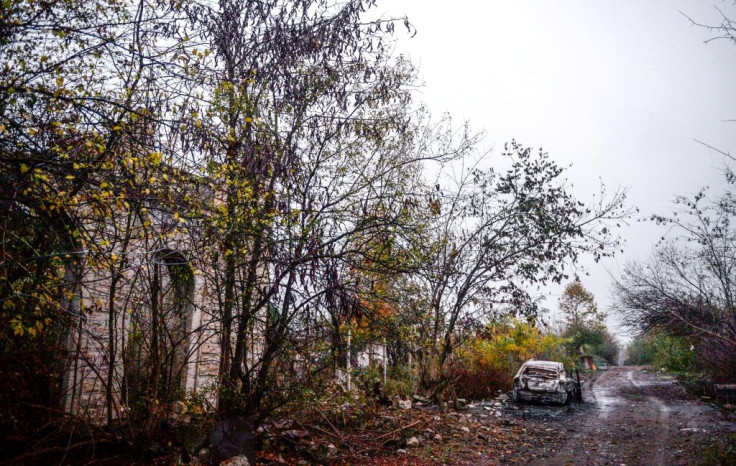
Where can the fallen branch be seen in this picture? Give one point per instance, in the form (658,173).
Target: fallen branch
(337,432)
(66,448)
(398,430)
(312,426)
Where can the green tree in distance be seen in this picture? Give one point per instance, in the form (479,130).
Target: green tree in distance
(578,306)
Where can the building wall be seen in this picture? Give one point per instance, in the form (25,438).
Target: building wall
(189,329)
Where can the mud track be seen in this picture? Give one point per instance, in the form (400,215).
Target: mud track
(629,416)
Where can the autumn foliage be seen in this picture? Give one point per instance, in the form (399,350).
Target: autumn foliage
(490,359)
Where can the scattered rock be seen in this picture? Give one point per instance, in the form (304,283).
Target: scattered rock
(241,460)
(401,450)
(205,456)
(404,404)
(331,450)
(284,425)
(437,437)
(464,429)
(412,442)
(420,400)
(295,433)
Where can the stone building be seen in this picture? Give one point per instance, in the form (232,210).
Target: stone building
(146,327)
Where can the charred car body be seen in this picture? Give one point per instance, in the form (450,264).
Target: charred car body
(545,382)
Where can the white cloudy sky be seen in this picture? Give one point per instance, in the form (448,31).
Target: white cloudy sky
(620,90)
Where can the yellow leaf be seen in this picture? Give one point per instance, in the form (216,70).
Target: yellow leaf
(23,168)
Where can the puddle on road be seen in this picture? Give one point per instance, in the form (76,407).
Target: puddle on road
(605,400)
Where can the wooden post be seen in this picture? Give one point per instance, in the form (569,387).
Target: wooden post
(384,361)
(411,374)
(347,363)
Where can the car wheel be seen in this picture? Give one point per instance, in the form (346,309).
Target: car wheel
(515,394)
(567,398)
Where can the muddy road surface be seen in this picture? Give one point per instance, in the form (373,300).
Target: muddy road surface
(629,416)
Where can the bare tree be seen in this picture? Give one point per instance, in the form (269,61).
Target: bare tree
(495,234)
(687,287)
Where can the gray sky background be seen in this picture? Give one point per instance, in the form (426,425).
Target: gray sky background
(620,90)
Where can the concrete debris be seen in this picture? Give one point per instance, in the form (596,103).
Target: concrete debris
(241,460)
(205,456)
(420,400)
(412,442)
(284,424)
(404,404)
(295,433)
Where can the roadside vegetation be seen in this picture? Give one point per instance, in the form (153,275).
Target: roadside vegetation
(277,146)
(679,303)
(271,150)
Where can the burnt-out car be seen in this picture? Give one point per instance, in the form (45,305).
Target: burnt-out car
(545,382)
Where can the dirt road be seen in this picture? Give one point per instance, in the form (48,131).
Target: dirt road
(629,416)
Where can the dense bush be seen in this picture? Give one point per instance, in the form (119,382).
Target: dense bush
(676,354)
(593,340)
(491,358)
(640,352)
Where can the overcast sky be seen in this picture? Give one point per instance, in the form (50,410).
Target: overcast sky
(620,90)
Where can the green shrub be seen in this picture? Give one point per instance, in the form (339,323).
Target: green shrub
(491,358)
(675,354)
(640,352)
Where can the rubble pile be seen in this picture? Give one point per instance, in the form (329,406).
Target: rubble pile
(414,431)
